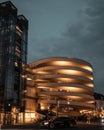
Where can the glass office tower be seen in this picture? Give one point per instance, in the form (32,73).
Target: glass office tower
(13,55)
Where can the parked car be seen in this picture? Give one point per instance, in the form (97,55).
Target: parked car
(58,122)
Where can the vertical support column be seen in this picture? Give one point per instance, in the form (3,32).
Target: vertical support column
(57,105)
(23,117)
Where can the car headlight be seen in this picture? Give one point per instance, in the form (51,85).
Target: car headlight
(102,120)
(46,123)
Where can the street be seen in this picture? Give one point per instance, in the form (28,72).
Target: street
(78,127)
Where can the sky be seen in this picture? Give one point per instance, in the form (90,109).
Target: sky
(66,28)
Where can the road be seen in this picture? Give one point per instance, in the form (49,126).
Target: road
(78,127)
(89,127)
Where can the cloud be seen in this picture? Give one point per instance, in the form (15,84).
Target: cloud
(87,33)
(83,39)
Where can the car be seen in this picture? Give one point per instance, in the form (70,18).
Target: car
(58,122)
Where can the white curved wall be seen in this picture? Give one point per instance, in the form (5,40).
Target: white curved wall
(63,79)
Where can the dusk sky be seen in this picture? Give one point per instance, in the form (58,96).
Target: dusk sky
(66,28)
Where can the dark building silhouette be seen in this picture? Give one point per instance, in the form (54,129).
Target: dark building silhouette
(99,104)
(98,96)
(13,55)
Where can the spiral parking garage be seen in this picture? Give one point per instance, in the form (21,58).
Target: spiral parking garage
(61,83)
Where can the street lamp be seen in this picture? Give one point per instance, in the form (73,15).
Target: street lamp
(68,107)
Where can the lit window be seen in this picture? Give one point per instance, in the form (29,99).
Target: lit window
(16,64)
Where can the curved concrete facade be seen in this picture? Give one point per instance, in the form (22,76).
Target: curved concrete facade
(63,82)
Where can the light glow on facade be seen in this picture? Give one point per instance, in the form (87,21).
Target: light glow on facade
(62,79)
